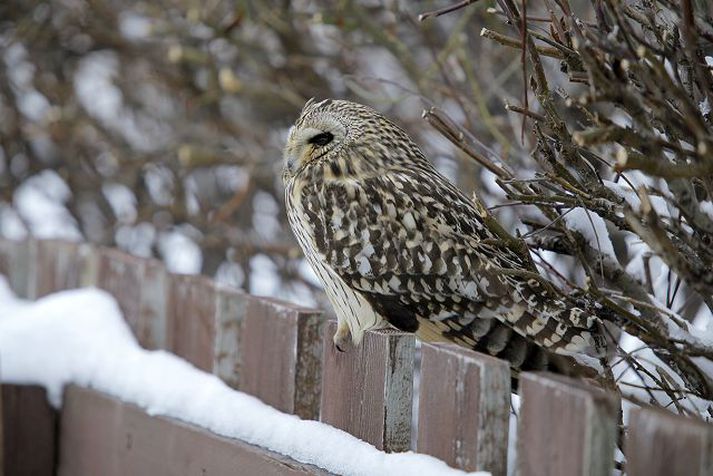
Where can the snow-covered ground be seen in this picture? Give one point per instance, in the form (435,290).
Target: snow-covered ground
(80,337)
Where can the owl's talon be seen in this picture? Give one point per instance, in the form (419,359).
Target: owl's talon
(342,337)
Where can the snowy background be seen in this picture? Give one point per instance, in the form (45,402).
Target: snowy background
(156,127)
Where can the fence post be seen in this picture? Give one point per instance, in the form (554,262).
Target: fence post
(231,308)
(566,427)
(17,263)
(139,287)
(207,325)
(281,349)
(62,265)
(660,443)
(367,390)
(28,435)
(464,408)
(191,308)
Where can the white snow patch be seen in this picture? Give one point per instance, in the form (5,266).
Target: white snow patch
(632,198)
(707,208)
(11,225)
(137,240)
(122,201)
(593,229)
(307,273)
(230,274)
(80,337)
(40,202)
(264,278)
(133,26)
(180,253)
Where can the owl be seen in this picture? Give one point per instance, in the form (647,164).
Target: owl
(394,243)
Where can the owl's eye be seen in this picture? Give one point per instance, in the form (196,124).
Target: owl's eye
(321,139)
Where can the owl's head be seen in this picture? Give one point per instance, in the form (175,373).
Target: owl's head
(344,138)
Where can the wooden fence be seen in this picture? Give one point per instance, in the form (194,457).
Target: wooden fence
(283,354)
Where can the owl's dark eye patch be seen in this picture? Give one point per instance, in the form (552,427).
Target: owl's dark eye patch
(321,139)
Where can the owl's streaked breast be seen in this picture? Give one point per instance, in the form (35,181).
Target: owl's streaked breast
(307,223)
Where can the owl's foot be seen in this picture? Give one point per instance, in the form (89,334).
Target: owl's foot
(342,338)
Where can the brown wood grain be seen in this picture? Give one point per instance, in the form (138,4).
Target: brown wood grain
(191,326)
(464,408)
(566,428)
(367,390)
(661,444)
(18,264)
(28,431)
(103,436)
(139,286)
(62,265)
(281,356)
(231,307)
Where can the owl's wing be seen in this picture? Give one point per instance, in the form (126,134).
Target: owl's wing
(412,244)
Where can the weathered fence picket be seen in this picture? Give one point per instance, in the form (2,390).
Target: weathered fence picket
(662,444)
(566,427)
(284,355)
(191,308)
(64,265)
(464,408)
(28,441)
(140,287)
(133,443)
(367,391)
(230,310)
(18,263)
(281,350)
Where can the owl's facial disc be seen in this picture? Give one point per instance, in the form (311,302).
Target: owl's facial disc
(312,138)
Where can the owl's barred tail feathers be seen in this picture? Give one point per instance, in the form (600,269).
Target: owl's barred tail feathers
(539,331)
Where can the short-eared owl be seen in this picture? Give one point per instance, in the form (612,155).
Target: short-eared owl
(394,242)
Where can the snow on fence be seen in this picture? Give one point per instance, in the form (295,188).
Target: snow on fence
(283,354)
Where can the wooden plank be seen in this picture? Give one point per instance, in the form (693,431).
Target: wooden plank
(281,346)
(17,263)
(464,408)
(204,325)
(62,265)
(29,424)
(139,286)
(566,427)
(367,390)
(231,307)
(661,444)
(191,327)
(101,435)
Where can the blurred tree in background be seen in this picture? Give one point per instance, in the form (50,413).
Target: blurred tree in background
(157,127)
(584,127)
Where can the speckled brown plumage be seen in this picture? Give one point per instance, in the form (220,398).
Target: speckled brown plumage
(395,242)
